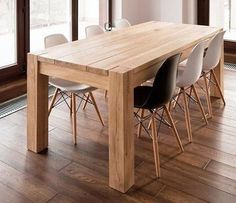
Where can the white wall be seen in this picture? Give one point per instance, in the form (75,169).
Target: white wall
(138,11)
(171,11)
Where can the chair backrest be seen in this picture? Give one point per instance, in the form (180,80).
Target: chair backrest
(54,40)
(193,69)
(213,53)
(122,23)
(93,30)
(164,84)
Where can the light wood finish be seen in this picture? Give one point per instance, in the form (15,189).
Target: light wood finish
(53,101)
(96,108)
(121,135)
(199,104)
(175,132)
(208,98)
(116,61)
(187,116)
(219,73)
(74,126)
(218,86)
(155,146)
(205,172)
(37,111)
(177,98)
(70,104)
(86,101)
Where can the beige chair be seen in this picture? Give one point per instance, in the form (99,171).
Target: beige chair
(93,30)
(189,73)
(69,89)
(210,61)
(122,23)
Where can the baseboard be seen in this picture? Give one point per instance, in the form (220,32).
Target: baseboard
(230,58)
(13,89)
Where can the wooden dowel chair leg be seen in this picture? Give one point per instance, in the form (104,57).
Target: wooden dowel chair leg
(208,98)
(175,132)
(177,98)
(74,127)
(140,125)
(218,86)
(199,104)
(187,116)
(71,105)
(155,147)
(86,101)
(52,101)
(96,108)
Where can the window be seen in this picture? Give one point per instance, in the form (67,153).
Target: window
(49,17)
(88,15)
(8,33)
(230,19)
(222,14)
(25,23)
(92,12)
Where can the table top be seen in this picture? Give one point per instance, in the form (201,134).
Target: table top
(127,49)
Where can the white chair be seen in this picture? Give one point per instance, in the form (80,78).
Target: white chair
(93,30)
(210,61)
(68,89)
(188,74)
(122,23)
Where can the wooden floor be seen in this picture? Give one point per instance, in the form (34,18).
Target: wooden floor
(205,172)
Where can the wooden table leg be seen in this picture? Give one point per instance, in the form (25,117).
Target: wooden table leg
(121,132)
(219,71)
(37,110)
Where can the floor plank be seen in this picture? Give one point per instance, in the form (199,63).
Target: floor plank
(205,172)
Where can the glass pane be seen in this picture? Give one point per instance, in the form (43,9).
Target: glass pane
(230,19)
(48,17)
(7,32)
(222,14)
(233,17)
(91,12)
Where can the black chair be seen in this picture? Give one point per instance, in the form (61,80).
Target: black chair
(155,98)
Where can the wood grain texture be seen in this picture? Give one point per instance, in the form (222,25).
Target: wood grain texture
(37,101)
(116,61)
(205,172)
(121,134)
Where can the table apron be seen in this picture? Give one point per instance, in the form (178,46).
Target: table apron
(95,80)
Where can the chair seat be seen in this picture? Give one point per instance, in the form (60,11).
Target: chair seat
(183,64)
(141,94)
(69,86)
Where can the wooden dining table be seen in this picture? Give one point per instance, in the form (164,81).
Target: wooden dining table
(117,62)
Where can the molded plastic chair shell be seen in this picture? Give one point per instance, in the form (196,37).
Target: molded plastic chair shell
(163,86)
(213,53)
(93,30)
(64,85)
(190,74)
(122,23)
(54,40)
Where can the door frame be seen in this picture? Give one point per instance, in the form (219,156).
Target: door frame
(203,11)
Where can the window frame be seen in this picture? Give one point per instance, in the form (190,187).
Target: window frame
(203,11)
(10,72)
(15,71)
